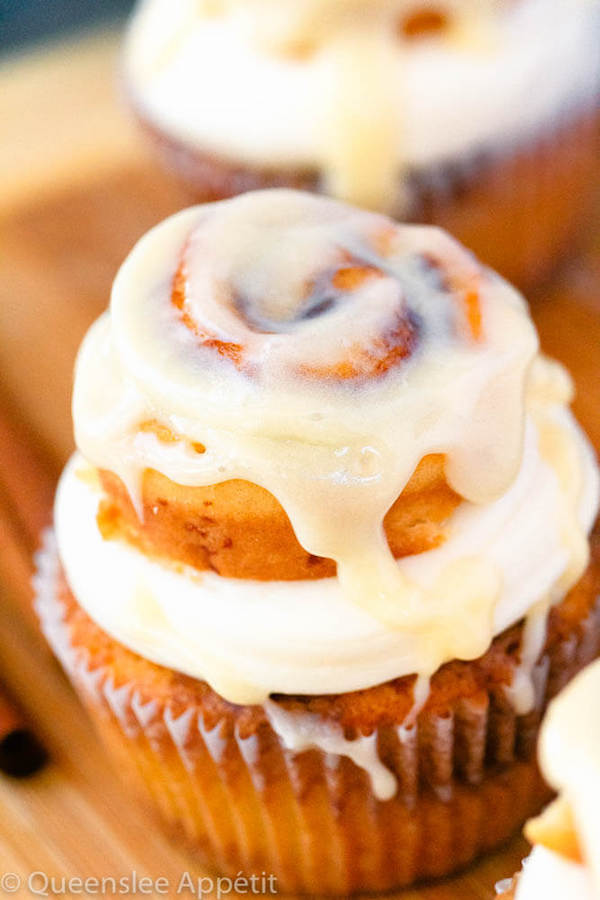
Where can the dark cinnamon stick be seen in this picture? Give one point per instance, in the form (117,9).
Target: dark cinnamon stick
(21,753)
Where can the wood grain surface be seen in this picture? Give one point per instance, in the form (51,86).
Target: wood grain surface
(70,210)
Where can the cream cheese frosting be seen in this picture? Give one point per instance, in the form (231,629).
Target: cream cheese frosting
(328,396)
(547,876)
(570,760)
(333,84)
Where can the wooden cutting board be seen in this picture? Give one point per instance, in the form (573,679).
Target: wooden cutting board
(76,191)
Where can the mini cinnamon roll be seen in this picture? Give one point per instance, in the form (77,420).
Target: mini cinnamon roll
(430,110)
(321,336)
(324,549)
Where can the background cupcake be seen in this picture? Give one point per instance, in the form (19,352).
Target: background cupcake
(565,861)
(324,553)
(480,117)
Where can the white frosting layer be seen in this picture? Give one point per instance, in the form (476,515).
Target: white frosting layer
(547,876)
(364,104)
(249,639)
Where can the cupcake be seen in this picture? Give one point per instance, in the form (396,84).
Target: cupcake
(322,555)
(479,117)
(565,862)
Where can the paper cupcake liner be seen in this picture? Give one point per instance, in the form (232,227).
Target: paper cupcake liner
(466,779)
(522,209)
(506,888)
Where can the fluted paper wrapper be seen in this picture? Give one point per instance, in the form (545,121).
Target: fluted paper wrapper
(507,888)
(466,780)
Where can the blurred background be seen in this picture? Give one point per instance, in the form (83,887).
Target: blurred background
(25,21)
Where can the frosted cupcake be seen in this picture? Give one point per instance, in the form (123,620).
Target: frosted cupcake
(481,117)
(322,555)
(565,861)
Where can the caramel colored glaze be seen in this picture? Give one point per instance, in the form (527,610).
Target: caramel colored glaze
(429,21)
(219,776)
(423,23)
(539,195)
(239,530)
